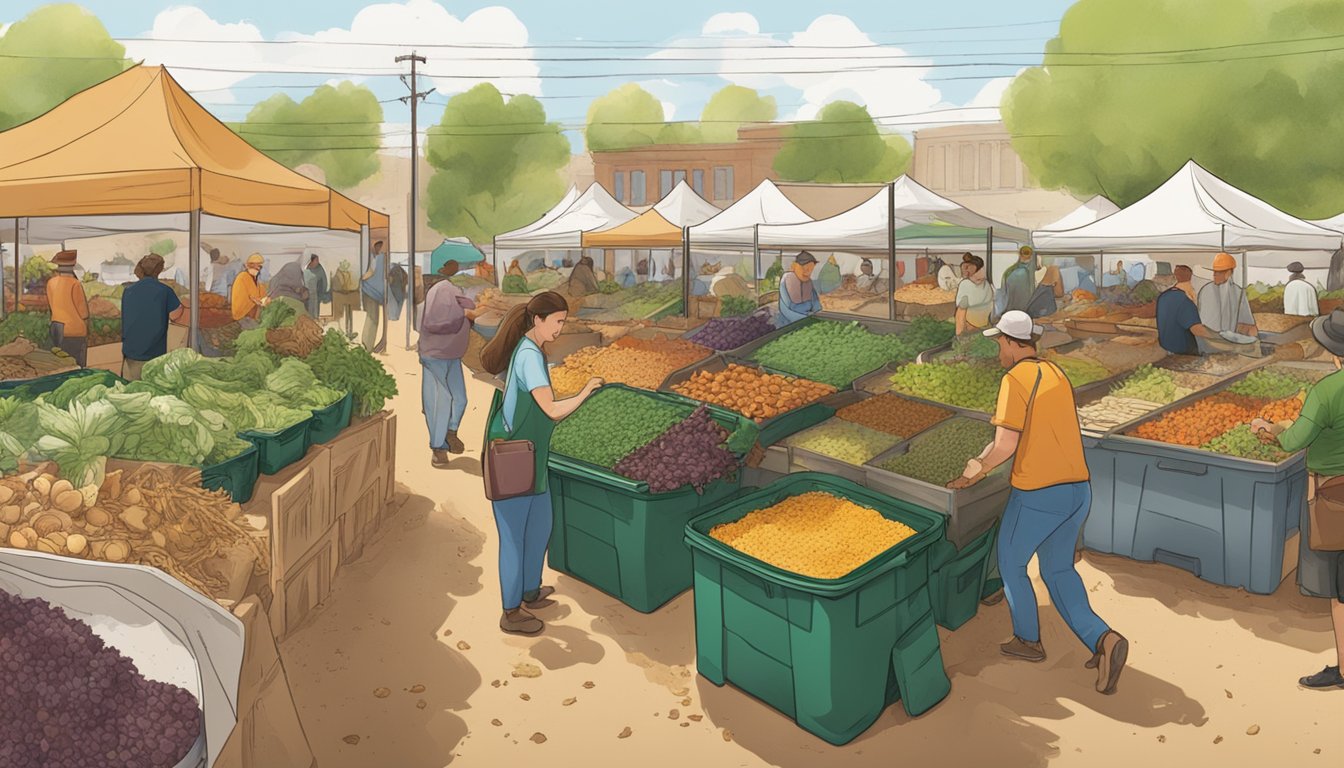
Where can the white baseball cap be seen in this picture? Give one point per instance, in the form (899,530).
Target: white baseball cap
(1015,325)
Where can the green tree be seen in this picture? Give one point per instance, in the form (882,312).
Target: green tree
(842,145)
(337,128)
(732,106)
(50,55)
(1105,115)
(496,164)
(627,117)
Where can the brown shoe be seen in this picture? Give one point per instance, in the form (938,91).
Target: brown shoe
(1112,650)
(1021,649)
(520,622)
(440,460)
(455,444)
(1094,661)
(993,599)
(540,601)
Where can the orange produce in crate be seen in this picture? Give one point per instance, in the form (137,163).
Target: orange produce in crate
(752,392)
(1287,409)
(1197,424)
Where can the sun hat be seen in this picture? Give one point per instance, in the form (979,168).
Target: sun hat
(1017,324)
(1328,330)
(65,258)
(804,257)
(255,259)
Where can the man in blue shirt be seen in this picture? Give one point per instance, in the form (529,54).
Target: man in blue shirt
(146,308)
(1178,316)
(373,294)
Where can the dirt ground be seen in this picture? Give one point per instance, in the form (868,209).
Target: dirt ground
(1212,671)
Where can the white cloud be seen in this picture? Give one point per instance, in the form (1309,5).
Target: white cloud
(722,23)
(3,29)
(188,23)
(669,109)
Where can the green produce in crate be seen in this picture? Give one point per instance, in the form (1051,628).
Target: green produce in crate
(613,424)
(940,456)
(1271,384)
(1153,385)
(838,353)
(348,367)
(965,385)
(975,346)
(1081,372)
(1243,443)
(844,440)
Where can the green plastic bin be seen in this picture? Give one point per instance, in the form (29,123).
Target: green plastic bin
(829,653)
(958,579)
(238,475)
(328,422)
(30,389)
(610,532)
(277,450)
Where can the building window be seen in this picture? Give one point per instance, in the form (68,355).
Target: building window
(619,187)
(938,174)
(638,189)
(723,183)
(664,183)
(986,180)
(1007,166)
(698,182)
(966,168)
(678,177)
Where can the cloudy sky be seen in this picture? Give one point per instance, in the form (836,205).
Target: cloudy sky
(910,63)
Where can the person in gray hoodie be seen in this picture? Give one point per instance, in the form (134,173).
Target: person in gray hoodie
(444,333)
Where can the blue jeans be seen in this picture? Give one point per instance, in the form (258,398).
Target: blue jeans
(1046,522)
(524,524)
(443,393)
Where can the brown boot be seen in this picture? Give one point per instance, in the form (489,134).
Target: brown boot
(1112,651)
(455,444)
(541,600)
(520,622)
(440,460)
(1018,648)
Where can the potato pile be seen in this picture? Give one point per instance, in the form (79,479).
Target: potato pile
(894,415)
(154,517)
(844,440)
(940,455)
(752,392)
(814,534)
(924,294)
(641,363)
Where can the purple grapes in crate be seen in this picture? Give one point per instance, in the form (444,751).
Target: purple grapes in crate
(691,452)
(724,333)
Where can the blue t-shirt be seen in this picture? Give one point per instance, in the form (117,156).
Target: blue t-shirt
(528,373)
(1176,315)
(145,307)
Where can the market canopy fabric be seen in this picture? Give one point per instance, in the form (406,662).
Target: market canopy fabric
(735,227)
(1193,211)
(918,204)
(594,211)
(658,227)
(1093,210)
(551,215)
(139,144)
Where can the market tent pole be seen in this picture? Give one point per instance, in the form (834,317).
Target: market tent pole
(685,270)
(1100,269)
(891,250)
(194,276)
(17,285)
(756,261)
(989,250)
(494,258)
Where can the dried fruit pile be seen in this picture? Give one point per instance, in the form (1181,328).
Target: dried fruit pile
(844,441)
(838,353)
(965,385)
(894,415)
(753,392)
(924,294)
(1287,409)
(814,534)
(642,363)
(691,452)
(69,700)
(1198,423)
(940,455)
(157,516)
(724,333)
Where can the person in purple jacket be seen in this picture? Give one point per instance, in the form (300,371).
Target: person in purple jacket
(443,340)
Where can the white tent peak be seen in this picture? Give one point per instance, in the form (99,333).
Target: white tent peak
(918,204)
(551,215)
(1193,210)
(684,208)
(734,227)
(1095,209)
(594,211)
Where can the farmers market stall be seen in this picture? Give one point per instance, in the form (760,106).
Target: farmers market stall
(532,249)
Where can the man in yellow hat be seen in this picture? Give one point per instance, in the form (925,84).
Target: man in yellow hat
(1223,307)
(248,296)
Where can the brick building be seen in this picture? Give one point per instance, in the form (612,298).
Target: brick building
(720,173)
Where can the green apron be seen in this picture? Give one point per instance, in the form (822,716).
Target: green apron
(529,423)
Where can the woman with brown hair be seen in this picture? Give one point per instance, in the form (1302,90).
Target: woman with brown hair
(527,410)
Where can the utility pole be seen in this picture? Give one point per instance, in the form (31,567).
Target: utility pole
(414,100)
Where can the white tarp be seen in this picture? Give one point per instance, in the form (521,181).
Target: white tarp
(594,211)
(683,208)
(734,228)
(861,228)
(551,215)
(918,204)
(1195,211)
(1093,210)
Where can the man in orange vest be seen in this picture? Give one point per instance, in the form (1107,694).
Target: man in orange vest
(69,309)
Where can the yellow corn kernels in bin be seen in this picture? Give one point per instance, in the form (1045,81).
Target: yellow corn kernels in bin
(813,534)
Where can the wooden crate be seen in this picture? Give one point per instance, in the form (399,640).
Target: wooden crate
(357,458)
(360,522)
(390,457)
(303,543)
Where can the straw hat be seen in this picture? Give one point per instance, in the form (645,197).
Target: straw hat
(65,258)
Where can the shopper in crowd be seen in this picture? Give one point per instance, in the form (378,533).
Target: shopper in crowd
(583,279)
(866,281)
(527,410)
(1045,299)
(946,277)
(1223,306)
(444,333)
(396,291)
(345,298)
(223,272)
(1299,296)
(797,293)
(147,306)
(975,295)
(1320,430)
(319,288)
(69,308)
(373,295)
(1019,281)
(1037,427)
(1178,325)
(517,271)
(248,296)
(289,283)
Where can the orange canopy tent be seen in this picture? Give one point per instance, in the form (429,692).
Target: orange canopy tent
(138,143)
(647,230)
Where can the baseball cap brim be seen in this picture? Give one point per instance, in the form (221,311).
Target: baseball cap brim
(1036,330)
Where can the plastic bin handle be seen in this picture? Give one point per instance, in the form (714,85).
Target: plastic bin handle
(1183,468)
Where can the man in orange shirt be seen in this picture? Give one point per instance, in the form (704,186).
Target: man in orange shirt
(69,309)
(248,296)
(1051,494)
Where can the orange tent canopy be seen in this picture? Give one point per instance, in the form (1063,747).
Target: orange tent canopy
(647,230)
(139,143)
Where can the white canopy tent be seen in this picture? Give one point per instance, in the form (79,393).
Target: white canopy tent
(556,211)
(684,208)
(735,227)
(593,211)
(1093,210)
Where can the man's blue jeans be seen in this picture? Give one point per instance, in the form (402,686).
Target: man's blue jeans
(524,524)
(1046,522)
(443,392)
